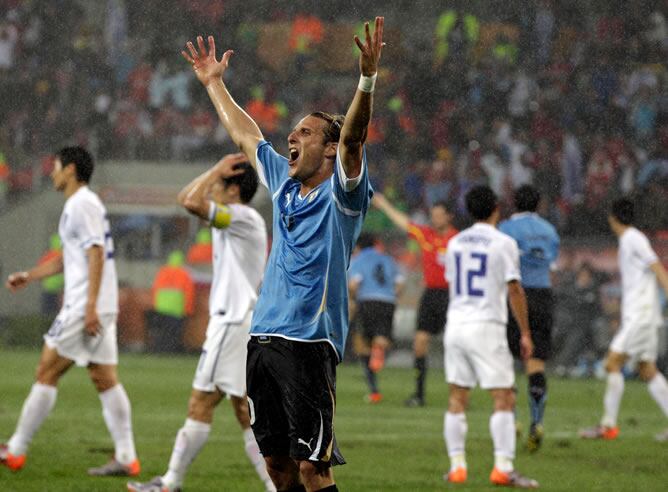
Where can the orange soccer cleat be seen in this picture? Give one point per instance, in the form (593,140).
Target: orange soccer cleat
(458,475)
(600,432)
(512,479)
(11,461)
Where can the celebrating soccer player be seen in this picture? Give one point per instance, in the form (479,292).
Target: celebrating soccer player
(433,241)
(220,196)
(538,242)
(84,332)
(482,265)
(320,197)
(638,335)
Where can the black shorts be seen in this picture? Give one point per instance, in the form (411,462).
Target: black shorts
(292,398)
(433,310)
(541,307)
(376,318)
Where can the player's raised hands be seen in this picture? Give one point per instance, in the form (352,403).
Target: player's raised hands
(371,48)
(17,281)
(204,62)
(228,166)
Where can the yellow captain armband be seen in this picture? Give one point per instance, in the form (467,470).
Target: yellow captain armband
(220,216)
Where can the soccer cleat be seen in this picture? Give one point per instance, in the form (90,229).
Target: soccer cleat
(11,461)
(599,432)
(535,438)
(415,401)
(458,475)
(155,485)
(116,469)
(512,479)
(374,398)
(661,436)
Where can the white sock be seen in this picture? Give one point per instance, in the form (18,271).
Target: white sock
(257,460)
(118,417)
(502,428)
(658,388)
(190,440)
(36,408)
(454,432)
(614,390)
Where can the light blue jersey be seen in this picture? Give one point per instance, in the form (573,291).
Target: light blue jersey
(538,242)
(304,295)
(377,274)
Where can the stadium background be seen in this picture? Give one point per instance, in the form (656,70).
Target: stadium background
(570,96)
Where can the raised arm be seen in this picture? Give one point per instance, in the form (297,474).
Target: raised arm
(242,129)
(19,280)
(399,218)
(354,131)
(194,197)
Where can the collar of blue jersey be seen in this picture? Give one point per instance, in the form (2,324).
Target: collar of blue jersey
(518,215)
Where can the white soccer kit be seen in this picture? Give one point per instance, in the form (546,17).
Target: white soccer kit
(641,310)
(83,224)
(239,257)
(480,261)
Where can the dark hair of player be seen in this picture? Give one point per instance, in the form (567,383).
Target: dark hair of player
(481,202)
(526,198)
(247,182)
(366,240)
(622,210)
(335,121)
(82,160)
(442,204)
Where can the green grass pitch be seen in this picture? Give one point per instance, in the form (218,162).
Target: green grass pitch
(388,447)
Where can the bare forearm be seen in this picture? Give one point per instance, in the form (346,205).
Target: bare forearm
(95,266)
(242,129)
(357,120)
(399,218)
(46,269)
(518,305)
(661,276)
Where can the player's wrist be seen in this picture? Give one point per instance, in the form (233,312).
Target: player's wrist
(367,83)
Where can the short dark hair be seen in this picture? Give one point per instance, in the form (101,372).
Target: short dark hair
(82,160)
(366,240)
(622,210)
(335,123)
(481,202)
(442,204)
(526,198)
(247,182)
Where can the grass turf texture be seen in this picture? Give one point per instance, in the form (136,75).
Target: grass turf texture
(388,447)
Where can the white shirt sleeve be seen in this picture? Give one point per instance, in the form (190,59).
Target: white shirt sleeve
(511,260)
(88,225)
(644,251)
(348,184)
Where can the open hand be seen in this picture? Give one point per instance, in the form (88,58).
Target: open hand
(371,48)
(204,62)
(228,166)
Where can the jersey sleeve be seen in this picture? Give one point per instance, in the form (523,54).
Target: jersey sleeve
(644,251)
(88,225)
(351,195)
(355,271)
(511,261)
(272,168)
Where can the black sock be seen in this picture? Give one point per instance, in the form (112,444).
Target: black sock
(537,396)
(369,374)
(296,488)
(421,368)
(331,488)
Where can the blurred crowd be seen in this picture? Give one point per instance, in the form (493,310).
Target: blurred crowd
(570,96)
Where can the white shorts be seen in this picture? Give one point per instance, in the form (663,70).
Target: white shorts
(640,341)
(68,337)
(222,364)
(478,353)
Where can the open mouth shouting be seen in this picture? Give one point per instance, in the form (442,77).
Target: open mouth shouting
(294,155)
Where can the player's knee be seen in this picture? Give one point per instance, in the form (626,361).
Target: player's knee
(200,407)
(647,371)
(457,402)
(311,471)
(283,472)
